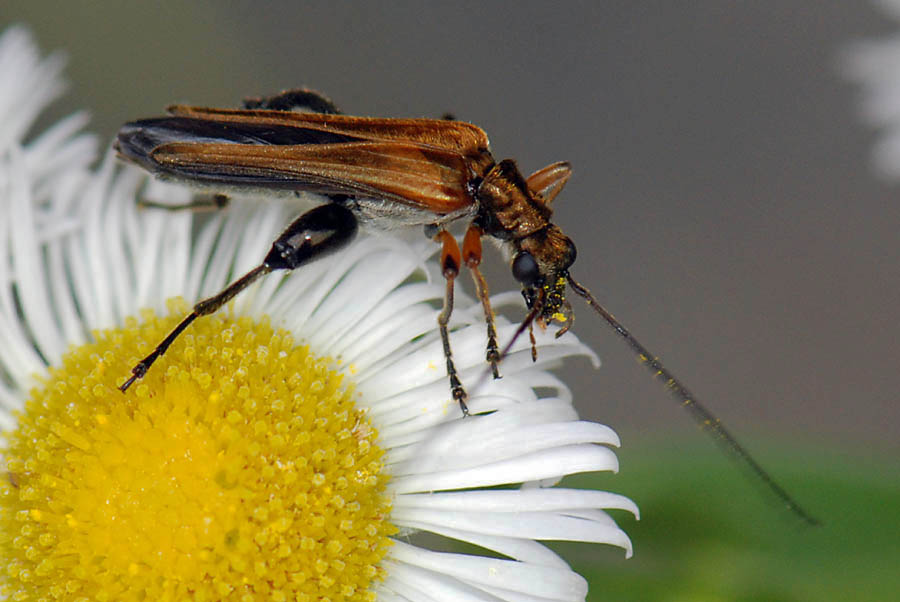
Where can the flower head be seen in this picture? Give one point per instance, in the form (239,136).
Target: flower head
(875,66)
(284,448)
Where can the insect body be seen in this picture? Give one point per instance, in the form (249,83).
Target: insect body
(378,171)
(381,171)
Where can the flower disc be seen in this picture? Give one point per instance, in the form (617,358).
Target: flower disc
(239,468)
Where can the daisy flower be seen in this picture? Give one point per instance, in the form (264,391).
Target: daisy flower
(289,447)
(875,66)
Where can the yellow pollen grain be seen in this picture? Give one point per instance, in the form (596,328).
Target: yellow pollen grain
(216,477)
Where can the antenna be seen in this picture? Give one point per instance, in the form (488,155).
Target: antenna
(702,416)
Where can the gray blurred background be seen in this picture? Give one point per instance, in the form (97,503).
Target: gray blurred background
(723,203)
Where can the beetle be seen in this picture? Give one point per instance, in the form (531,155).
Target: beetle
(386,172)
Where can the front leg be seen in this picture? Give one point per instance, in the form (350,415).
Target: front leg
(200,202)
(472,257)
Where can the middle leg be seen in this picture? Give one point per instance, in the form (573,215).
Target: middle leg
(450,262)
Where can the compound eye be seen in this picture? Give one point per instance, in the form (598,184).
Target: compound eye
(571,253)
(525,268)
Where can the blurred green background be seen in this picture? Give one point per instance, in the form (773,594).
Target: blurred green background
(722,204)
(704,536)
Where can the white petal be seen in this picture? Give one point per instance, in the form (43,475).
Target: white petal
(499,436)
(415,584)
(399,317)
(28,267)
(516,548)
(538,465)
(543,581)
(509,410)
(16,350)
(31,83)
(599,528)
(514,500)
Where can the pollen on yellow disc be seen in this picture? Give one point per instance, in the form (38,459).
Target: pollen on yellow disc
(239,469)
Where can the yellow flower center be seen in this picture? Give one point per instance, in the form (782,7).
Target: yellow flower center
(238,469)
